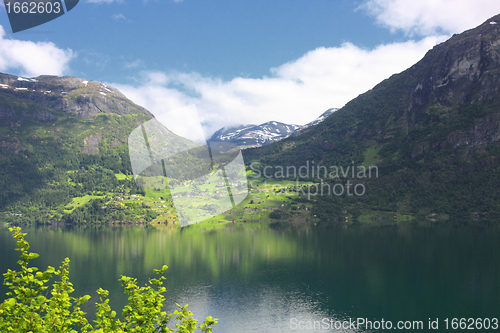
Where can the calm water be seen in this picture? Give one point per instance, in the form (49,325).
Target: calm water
(263,280)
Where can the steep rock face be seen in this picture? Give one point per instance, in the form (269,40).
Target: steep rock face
(433,131)
(10,115)
(450,98)
(484,132)
(465,69)
(23,99)
(90,106)
(63,111)
(11,144)
(459,76)
(51,125)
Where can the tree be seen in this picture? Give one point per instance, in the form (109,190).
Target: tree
(30,310)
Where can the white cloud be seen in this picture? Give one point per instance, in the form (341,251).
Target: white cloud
(27,58)
(297,92)
(426,17)
(119,17)
(133,64)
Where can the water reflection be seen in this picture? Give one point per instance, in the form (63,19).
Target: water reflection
(256,279)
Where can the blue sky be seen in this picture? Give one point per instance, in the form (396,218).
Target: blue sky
(113,39)
(239,61)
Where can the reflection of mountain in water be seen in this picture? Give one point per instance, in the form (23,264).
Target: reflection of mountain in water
(258,277)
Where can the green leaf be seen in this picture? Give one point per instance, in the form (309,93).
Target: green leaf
(31,310)
(33,255)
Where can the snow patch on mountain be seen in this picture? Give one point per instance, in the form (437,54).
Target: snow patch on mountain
(263,134)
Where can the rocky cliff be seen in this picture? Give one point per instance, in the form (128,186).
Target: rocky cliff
(433,131)
(23,99)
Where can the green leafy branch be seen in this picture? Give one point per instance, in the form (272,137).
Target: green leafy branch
(29,309)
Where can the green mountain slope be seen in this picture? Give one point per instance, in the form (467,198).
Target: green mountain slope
(63,143)
(424,141)
(433,131)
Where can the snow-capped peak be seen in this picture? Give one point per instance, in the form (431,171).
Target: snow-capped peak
(258,135)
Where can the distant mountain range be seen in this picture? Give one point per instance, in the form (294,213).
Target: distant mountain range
(432,131)
(263,134)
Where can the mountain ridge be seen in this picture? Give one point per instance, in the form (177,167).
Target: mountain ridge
(432,130)
(63,138)
(250,135)
(81,97)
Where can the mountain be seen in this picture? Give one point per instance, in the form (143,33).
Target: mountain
(63,143)
(47,95)
(254,135)
(432,131)
(316,121)
(422,142)
(263,134)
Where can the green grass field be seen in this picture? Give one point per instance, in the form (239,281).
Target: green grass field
(121,176)
(79,202)
(371,156)
(200,200)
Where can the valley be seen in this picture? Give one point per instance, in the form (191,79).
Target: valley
(431,132)
(271,167)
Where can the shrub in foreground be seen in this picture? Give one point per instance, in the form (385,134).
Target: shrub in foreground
(30,309)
